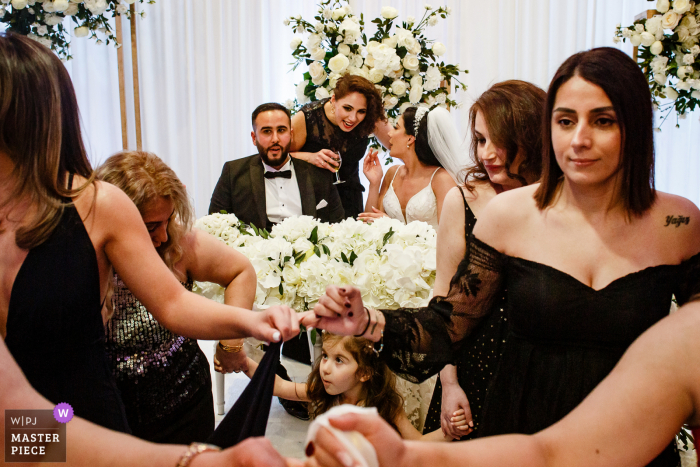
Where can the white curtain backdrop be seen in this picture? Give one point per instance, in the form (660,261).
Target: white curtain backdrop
(206,64)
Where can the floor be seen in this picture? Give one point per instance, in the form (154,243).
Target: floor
(286,433)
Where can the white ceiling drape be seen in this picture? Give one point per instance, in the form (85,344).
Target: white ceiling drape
(206,64)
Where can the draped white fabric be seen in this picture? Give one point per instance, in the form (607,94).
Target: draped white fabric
(206,64)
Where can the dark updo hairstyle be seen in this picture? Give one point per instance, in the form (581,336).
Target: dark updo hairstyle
(512,111)
(375,110)
(423,151)
(624,84)
(40,133)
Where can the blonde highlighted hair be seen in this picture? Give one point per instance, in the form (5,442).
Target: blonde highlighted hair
(144,177)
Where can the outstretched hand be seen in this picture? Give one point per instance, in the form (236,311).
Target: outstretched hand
(339,311)
(370,217)
(372,167)
(327,451)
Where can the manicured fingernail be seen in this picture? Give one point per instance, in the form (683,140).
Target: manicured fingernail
(350,314)
(342,289)
(276,336)
(348,305)
(337,315)
(345,459)
(309,449)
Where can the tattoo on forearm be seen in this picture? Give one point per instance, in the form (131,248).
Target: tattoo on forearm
(677,220)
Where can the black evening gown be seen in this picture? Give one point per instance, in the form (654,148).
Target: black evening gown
(164,378)
(564,337)
(476,360)
(54,325)
(322,134)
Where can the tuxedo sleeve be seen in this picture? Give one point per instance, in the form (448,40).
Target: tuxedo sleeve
(221,198)
(336,213)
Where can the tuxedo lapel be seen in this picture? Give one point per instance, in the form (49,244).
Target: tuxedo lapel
(257,184)
(306,189)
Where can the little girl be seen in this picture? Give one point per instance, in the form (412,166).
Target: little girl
(349,372)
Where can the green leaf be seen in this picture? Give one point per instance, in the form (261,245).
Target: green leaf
(286,258)
(326,250)
(281,289)
(353,257)
(313,336)
(344,258)
(255,229)
(223,211)
(313,238)
(317,251)
(388,235)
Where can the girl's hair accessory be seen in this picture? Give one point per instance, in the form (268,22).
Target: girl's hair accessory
(420,113)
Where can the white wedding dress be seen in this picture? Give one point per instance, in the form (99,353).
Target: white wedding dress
(421,207)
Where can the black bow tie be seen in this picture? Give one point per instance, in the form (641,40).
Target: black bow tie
(283,174)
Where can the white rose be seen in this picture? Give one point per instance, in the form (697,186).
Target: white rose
(42,30)
(670,20)
(662,6)
(438,48)
(681,6)
(683,85)
(636,39)
(60,5)
(441,98)
(291,275)
(289,103)
(296,42)
(319,27)
(314,40)
(390,102)
(317,73)
(391,42)
(338,13)
(317,53)
(286,21)
(356,60)
(344,49)
(19,4)
(656,48)
(660,78)
(670,93)
(71,10)
(410,62)
(339,63)
(375,75)
(639,28)
(300,88)
(389,12)
(82,31)
(96,7)
(688,59)
(404,106)
(351,30)
(415,48)
(653,25)
(626,33)
(647,39)
(327,13)
(410,20)
(415,95)
(428,6)
(433,21)
(695,95)
(122,8)
(695,50)
(399,87)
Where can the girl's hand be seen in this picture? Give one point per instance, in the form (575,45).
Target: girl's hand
(325,159)
(327,451)
(370,217)
(277,323)
(455,404)
(227,362)
(339,311)
(372,168)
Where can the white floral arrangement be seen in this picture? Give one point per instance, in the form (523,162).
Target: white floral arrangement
(668,54)
(402,63)
(43,20)
(393,264)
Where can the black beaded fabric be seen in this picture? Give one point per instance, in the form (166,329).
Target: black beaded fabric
(477,359)
(564,337)
(322,134)
(157,371)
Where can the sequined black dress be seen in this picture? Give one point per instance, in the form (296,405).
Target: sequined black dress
(322,134)
(54,325)
(477,359)
(164,378)
(564,337)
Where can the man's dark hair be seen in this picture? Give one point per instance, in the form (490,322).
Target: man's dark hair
(270,106)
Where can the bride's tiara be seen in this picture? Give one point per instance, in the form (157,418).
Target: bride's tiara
(420,113)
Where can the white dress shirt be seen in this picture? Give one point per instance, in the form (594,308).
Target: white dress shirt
(282,197)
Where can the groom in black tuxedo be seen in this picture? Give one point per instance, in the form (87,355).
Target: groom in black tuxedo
(266,188)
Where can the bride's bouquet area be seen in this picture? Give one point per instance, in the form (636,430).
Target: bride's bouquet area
(393,264)
(668,54)
(399,59)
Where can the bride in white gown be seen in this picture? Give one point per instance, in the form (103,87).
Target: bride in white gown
(428,144)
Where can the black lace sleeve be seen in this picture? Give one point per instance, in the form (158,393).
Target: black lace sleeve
(689,287)
(418,343)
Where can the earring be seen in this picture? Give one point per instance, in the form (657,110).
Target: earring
(408,146)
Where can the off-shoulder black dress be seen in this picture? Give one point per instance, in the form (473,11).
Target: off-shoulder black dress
(322,134)
(564,336)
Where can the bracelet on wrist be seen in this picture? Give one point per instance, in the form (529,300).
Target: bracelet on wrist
(369,321)
(193,450)
(230,348)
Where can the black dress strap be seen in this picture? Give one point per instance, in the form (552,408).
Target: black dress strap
(469,218)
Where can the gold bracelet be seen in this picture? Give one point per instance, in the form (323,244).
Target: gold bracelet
(193,450)
(230,348)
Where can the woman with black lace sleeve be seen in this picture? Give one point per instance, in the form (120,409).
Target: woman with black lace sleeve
(590,258)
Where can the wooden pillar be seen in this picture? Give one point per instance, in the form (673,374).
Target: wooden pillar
(135,67)
(122,86)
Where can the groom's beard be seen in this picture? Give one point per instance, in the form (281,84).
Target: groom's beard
(275,161)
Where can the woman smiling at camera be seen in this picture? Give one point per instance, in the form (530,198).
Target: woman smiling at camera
(585,259)
(338,128)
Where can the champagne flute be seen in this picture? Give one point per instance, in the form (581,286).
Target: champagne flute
(339,161)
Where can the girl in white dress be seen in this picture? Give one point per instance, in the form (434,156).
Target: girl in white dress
(415,191)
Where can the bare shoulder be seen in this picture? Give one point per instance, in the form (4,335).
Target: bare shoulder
(298,131)
(443,177)
(453,205)
(505,215)
(678,219)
